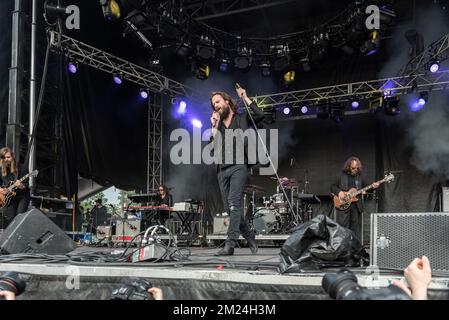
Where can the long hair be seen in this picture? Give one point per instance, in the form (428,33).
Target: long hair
(347,165)
(226,97)
(3,152)
(163,186)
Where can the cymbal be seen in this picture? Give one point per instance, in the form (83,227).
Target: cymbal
(250,188)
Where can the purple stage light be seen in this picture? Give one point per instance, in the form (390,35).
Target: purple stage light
(434,67)
(117,79)
(421,102)
(197,123)
(355,104)
(182,107)
(286,110)
(143,94)
(304,109)
(72,67)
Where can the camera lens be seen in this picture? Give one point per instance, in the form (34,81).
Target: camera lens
(10,281)
(339,285)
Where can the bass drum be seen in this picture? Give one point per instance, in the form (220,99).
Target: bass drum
(265,220)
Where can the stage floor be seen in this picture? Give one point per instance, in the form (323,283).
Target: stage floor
(243,276)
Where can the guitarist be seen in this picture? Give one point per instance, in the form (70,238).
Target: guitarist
(9,173)
(350,177)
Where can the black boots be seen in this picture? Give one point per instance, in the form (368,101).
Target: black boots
(227,250)
(252,244)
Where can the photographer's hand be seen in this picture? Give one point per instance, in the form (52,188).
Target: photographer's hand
(418,275)
(8,295)
(156,293)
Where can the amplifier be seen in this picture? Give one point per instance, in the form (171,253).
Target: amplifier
(104,232)
(127,229)
(221,225)
(398,238)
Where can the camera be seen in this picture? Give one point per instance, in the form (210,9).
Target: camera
(10,281)
(343,286)
(136,290)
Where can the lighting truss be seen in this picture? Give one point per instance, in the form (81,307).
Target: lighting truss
(101,60)
(438,49)
(363,90)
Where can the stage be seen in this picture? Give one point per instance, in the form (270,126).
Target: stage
(203,276)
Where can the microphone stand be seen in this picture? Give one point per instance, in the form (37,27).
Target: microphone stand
(269,157)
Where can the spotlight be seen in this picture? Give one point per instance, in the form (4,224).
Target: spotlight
(434,66)
(304,109)
(265,69)
(205,49)
(184,50)
(371,46)
(144,93)
(197,123)
(72,67)
(337,111)
(391,106)
(111,9)
(243,60)
(355,103)
(289,76)
(286,110)
(418,104)
(224,65)
(182,107)
(306,66)
(201,70)
(117,78)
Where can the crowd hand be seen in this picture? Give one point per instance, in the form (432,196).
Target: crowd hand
(156,293)
(418,275)
(8,295)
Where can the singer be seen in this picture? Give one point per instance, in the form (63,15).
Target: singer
(232,175)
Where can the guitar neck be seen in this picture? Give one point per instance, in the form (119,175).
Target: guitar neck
(369,187)
(13,186)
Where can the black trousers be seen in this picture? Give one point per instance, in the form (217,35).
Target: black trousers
(351,219)
(18,204)
(232,182)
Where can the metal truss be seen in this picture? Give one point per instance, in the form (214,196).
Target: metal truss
(98,59)
(203,10)
(361,90)
(439,50)
(155,131)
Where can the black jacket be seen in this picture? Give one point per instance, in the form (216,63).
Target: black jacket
(240,121)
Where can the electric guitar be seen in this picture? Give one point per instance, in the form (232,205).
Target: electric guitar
(351,194)
(11,189)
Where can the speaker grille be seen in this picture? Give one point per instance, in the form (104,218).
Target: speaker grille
(398,238)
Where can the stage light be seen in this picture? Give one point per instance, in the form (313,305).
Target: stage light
(304,109)
(111,9)
(144,93)
(306,66)
(197,123)
(337,111)
(355,104)
(243,60)
(205,49)
(182,107)
(289,76)
(201,70)
(117,78)
(224,65)
(391,106)
(434,66)
(418,104)
(184,50)
(265,69)
(73,67)
(371,46)
(286,110)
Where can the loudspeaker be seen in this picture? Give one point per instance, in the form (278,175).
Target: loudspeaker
(34,232)
(221,225)
(445,199)
(398,238)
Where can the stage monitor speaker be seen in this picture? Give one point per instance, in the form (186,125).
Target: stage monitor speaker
(398,238)
(34,232)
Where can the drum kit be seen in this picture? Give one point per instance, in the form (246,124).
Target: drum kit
(279,212)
